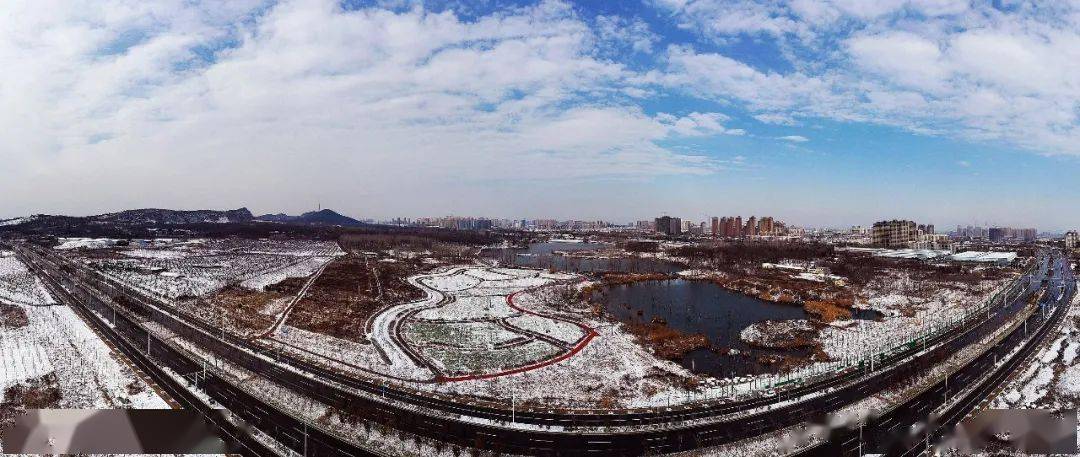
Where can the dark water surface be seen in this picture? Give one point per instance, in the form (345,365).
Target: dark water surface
(709,309)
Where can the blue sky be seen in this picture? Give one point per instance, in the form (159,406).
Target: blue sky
(821,113)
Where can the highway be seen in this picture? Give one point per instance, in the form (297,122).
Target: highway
(912,428)
(365,400)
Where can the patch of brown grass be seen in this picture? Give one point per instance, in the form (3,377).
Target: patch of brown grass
(12,317)
(667,342)
(614,279)
(244,307)
(38,393)
(352,289)
(827,311)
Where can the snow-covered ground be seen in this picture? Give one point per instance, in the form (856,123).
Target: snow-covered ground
(906,312)
(56,341)
(465,325)
(1052,379)
(455,330)
(305,268)
(17,284)
(461,330)
(196,268)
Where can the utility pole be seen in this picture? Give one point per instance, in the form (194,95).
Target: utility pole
(861,425)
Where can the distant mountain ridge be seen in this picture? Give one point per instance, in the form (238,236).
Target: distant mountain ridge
(155,216)
(321,217)
(147,222)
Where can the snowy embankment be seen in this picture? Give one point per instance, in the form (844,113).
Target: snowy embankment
(779,334)
(907,309)
(55,340)
(85,243)
(466,324)
(18,285)
(1052,379)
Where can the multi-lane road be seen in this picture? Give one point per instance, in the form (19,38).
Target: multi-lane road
(124,313)
(913,427)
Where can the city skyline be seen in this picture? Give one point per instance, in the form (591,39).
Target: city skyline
(696,220)
(829,113)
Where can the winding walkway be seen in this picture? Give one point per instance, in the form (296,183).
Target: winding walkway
(386,328)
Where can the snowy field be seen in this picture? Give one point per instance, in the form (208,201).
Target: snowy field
(55,341)
(171,270)
(453,344)
(466,333)
(472,343)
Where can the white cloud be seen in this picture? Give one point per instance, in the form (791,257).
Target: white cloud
(698,124)
(908,59)
(794,138)
(807,19)
(622,32)
(939,67)
(303,98)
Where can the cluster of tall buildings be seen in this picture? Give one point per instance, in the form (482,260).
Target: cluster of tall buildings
(731,227)
(996,234)
(457,223)
(721,227)
(897,234)
(483,223)
(971,232)
(999,234)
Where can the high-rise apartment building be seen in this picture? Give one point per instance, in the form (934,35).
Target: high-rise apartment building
(1072,240)
(715,226)
(751,227)
(765,226)
(997,234)
(669,225)
(894,234)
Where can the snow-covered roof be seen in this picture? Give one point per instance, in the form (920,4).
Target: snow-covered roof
(984,257)
(912,253)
